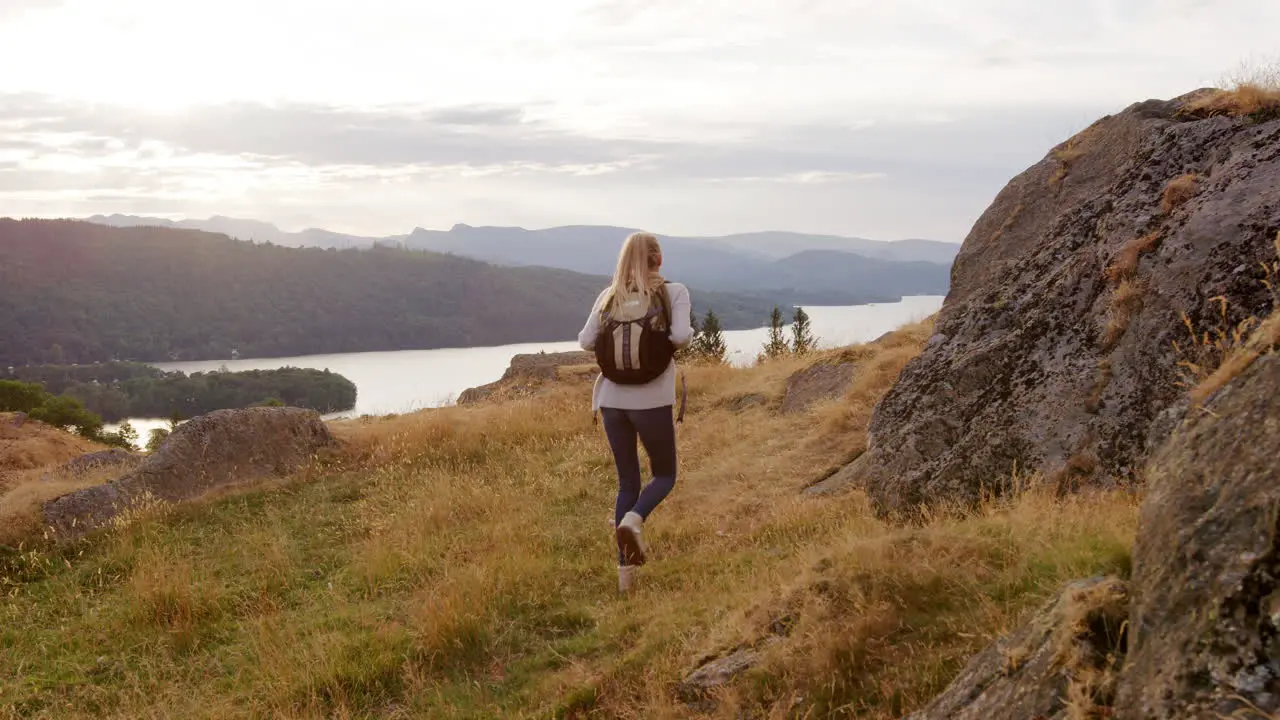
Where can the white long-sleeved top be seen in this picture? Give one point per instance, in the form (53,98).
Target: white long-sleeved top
(661,391)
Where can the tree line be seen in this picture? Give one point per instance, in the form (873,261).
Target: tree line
(708,344)
(75,292)
(119,390)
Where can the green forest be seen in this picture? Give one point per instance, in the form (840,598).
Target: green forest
(75,292)
(119,390)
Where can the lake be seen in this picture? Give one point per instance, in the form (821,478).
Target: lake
(407,380)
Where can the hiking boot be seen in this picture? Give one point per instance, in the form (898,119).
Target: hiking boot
(629,541)
(626,577)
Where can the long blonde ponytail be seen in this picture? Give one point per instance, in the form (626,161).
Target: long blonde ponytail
(638,263)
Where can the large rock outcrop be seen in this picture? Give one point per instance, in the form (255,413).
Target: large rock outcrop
(1205,624)
(1200,634)
(528,373)
(1054,350)
(220,449)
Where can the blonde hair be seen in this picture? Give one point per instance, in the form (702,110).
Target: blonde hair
(639,257)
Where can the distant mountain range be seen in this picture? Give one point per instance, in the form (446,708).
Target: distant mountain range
(795,267)
(78,292)
(254,230)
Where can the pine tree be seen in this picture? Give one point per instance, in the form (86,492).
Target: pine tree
(711,344)
(776,346)
(802,339)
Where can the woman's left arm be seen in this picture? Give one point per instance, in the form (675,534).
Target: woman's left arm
(681,305)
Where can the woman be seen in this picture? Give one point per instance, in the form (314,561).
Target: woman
(633,406)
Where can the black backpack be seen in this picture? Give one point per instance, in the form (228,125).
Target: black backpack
(635,352)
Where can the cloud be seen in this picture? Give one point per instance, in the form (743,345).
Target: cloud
(854,116)
(13,8)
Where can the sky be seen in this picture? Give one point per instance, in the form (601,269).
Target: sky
(694,117)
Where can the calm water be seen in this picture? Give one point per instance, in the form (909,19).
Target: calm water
(407,380)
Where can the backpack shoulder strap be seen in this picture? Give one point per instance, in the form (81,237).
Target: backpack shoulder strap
(664,301)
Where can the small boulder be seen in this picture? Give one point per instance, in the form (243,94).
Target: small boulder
(697,688)
(815,383)
(19,419)
(223,448)
(1205,622)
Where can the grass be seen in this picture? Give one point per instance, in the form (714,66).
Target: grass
(1178,191)
(1126,301)
(1125,264)
(1210,359)
(459,563)
(1250,92)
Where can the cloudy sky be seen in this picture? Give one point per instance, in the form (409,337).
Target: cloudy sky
(873,118)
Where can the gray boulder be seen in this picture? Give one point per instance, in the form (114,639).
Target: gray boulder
(221,449)
(1205,622)
(1055,347)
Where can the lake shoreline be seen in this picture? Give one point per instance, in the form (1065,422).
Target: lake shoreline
(403,381)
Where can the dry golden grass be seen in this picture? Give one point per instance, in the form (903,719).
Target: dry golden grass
(1249,91)
(1251,99)
(1089,646)
(37,445)
(20,517)
(1212,359)
(1237,356)
(1125,264)
(1178,191)
(460,563)
(1126,301)
(30,458)
(1008,223)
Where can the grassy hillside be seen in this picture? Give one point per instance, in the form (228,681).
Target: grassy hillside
(458,563)
(74,292)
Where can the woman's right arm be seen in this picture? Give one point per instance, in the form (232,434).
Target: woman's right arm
(587,337)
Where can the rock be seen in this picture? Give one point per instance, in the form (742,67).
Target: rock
(19,419)
(750,400)
(1071,647)
(220,449)
(115,457)
(815,383)
(1205,621)
(697,687)
(1046,361)
(526,373)
(834,483)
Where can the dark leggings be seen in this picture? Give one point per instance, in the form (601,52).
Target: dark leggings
(657,430)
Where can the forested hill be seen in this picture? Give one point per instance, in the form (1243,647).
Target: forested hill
(75,292)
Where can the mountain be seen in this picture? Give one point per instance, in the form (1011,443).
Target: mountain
(778,245)
(77,292)
(753,264)
(762,263)
(241,229)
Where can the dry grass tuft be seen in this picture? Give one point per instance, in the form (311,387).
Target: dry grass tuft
(1068,153)
(1210,360)
(1126,301)
(1178,191)
(1237,356)
(1008,222)
(1125,264)
(1249,91)
(1093,403)
(1090,646)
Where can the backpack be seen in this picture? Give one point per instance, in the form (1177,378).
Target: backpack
(635,350)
